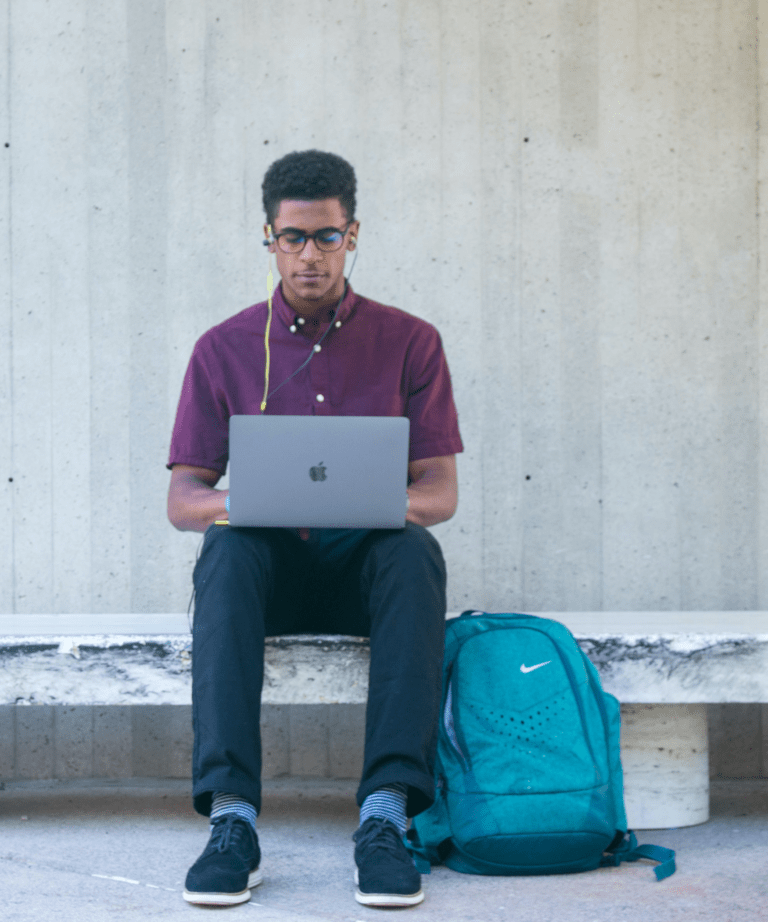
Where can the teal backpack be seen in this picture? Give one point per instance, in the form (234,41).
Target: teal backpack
(528,770)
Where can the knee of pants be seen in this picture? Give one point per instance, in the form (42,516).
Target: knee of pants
(234,576)
(422,543)
(232,550)
(413,548)
(405,573)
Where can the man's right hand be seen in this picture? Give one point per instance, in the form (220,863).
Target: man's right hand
(193,503)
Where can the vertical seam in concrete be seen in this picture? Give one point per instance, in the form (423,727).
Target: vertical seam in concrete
(92,422)
(677,603)
(483,274)
(521,134)
(637,180)
(15,744)
(601,158)
(761,512)
(601,364)
(133,738)
(522,129)
(677,453)
(758,594)
(51,567)
(441,116)
(55,728)
(9,140)
(92,732)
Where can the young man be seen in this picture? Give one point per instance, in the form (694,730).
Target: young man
(254,582)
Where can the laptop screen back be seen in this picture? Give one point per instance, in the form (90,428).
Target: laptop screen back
(318,471)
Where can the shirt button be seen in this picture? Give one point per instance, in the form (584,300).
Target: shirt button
(320,398)
(338,323)
(301,321)
(318,347)
(292,328)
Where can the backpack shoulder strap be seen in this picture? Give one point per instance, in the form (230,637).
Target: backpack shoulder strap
(627,849)
(429,838)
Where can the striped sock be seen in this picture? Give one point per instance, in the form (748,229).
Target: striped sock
(387,803)
(230,803)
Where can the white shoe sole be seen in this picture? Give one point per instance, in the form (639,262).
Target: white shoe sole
(385,900)
(225,899)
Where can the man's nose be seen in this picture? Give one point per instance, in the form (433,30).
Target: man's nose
(311,250)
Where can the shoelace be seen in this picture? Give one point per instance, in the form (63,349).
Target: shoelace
(226,833)
(380,835)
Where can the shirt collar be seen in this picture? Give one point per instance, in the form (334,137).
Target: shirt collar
(288,316)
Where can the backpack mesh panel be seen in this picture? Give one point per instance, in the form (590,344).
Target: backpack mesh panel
(533,714)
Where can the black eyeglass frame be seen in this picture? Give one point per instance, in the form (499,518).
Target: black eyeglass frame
(295,232)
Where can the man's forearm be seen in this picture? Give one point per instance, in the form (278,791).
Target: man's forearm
(193,504)
(433,495)
(428,506)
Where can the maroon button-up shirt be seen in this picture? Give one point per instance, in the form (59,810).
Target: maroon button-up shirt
(375,361)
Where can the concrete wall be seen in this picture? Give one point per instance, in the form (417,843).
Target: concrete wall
(306,740)
(569,189)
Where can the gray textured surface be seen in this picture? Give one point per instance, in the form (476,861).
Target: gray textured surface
(80,853)
(138,738)
(681,667)
(121,741)
(568,190)
(113,669)
(147,740)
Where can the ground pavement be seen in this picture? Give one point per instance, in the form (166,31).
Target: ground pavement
(89,852)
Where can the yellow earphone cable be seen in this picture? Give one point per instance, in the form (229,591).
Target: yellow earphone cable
(270,288)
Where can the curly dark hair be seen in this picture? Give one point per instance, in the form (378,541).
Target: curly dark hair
(309,175)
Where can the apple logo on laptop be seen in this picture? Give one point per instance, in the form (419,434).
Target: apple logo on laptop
(317,472)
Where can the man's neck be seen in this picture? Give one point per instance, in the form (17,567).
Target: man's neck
(319,311)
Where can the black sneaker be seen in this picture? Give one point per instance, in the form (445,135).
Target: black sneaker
(229,866)
(385,874)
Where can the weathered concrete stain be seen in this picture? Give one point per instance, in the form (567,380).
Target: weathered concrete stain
(303,669)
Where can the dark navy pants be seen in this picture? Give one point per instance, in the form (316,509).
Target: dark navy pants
(388,585)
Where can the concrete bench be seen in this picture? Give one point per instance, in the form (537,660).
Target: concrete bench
(663,666)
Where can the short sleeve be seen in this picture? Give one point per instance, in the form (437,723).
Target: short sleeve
(430,405)
(201,430)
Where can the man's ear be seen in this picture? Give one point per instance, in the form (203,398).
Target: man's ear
(355,230)
(269,240)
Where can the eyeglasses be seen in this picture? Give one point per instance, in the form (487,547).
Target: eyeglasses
(327,239)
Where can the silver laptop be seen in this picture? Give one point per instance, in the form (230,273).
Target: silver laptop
(318,471)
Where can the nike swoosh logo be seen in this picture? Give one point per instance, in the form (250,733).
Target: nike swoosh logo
(524,668)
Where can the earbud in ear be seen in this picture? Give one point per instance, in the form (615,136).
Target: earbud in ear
(353,239)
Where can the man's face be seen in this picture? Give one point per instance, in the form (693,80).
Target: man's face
(313,280)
